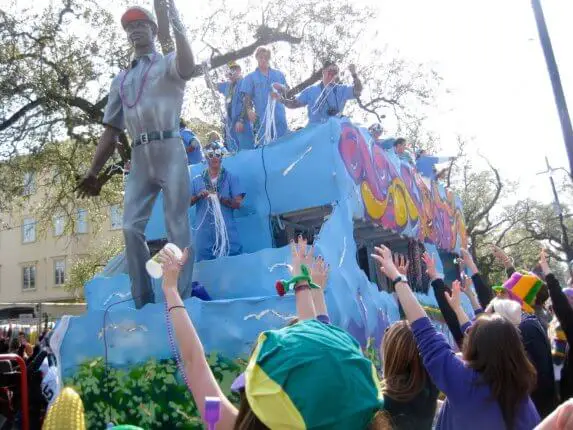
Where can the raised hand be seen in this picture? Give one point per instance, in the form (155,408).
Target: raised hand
(171,266)
(430,263)
(454,298)
(468,260)
(300,255)
(383,256)
(543,263)
(501,256)
(401,263)
(319,272)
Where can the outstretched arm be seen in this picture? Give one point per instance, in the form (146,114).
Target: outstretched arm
(440,291)
(410,304)
(357,82)
(302,254)
(104,150)
(319,273)
(561,307)
(202,382)
(484,292)
(184,55)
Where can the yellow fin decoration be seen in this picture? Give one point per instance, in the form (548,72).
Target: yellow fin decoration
(374,207)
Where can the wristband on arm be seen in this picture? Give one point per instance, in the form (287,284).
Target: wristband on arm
(284,286)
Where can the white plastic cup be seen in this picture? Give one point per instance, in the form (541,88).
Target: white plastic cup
(153,265)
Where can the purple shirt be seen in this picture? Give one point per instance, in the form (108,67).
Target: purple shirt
(469,404)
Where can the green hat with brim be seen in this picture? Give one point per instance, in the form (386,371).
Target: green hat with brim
(311,376)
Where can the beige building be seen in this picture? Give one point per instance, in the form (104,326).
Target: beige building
(35,263)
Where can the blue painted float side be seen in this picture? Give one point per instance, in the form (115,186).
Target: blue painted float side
(303,170)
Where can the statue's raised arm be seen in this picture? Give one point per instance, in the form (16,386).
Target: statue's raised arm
(167,12)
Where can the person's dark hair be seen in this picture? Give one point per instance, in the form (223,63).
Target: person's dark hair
(21,333)
(494,349)
(399,141)
(327,64)
(182,123)
(404,373)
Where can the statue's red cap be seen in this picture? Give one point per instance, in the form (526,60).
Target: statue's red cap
(137,13)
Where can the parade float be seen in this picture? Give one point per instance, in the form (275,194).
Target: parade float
(329,182)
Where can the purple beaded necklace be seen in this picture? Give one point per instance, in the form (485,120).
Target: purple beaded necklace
(174,350)
(140,91)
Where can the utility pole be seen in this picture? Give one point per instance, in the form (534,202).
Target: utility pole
(555,81)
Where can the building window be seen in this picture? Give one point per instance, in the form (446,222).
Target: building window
(29,278)
(29,184)
(116,217)
(58,225)
(29,230)
(82,221)
(59,272)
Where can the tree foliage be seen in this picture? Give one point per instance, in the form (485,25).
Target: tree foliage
(85,267)
(56,66)
(495,217)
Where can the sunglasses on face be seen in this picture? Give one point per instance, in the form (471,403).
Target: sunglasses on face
(136,24)
(332,71)
(214,153)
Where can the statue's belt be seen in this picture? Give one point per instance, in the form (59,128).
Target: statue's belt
(154,135)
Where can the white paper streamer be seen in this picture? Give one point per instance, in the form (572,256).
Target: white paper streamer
(221,247)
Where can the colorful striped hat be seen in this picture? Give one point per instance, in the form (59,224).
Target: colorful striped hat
(308,376)
(523,288)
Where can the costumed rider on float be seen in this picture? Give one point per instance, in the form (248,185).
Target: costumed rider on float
(238,129)
(217,194)
(146,99)
(325,99)
(268,117)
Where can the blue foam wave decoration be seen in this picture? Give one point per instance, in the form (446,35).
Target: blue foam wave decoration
(314,167)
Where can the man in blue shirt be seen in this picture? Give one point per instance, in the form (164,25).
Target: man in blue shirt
(327,98)
(238,130)
(215,180)
(256,88)
(192,144)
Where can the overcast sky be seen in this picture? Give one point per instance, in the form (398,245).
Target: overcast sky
(489,55)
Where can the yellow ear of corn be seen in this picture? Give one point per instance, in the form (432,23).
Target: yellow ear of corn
(67,412)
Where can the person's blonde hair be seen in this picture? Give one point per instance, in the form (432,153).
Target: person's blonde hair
(261,49)
(507,308)
(404,373)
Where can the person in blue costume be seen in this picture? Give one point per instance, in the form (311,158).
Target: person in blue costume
(325,99)
(256,89)
(191,143)
(238,131)
(215,179)
(401,152)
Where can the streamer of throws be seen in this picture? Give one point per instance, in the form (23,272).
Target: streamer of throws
(221,247)
(289,168)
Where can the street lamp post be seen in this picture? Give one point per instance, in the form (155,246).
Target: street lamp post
(555,81)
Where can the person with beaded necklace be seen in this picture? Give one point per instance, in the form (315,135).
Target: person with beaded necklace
(146,99)
(215,179)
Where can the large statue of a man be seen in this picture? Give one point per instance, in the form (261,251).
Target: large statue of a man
(146,100)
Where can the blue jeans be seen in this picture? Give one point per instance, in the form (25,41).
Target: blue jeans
(156,166)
